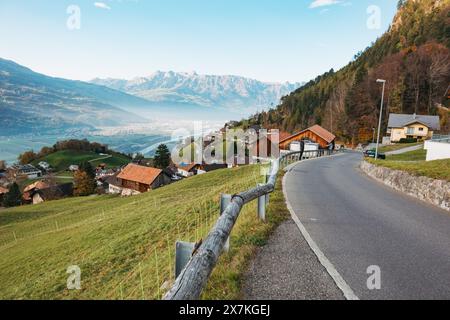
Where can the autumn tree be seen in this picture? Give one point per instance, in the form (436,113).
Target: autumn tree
(27,157)
(84,184)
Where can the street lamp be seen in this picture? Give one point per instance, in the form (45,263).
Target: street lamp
(381,116)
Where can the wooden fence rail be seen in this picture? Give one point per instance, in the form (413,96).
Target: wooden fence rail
(194,277)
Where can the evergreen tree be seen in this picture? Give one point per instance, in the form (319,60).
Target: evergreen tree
(87,167)
(162,157)
(13,198)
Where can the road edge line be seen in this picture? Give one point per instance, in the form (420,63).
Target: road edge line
(329,267)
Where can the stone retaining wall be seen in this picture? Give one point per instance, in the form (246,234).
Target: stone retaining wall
(436,192)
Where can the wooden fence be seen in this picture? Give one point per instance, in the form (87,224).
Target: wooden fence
(194,277)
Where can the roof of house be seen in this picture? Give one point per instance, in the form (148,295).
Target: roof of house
(403,120)
(318,130)
(141,174)
(187,167)
(3,190)
(27,168)
(41,184)
(55,192)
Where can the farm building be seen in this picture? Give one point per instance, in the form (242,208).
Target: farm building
(315,134)
(53,193)
(272,141)
(31,189)
(137,179)
(28,171)
(188,170)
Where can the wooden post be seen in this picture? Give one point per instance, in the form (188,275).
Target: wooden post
(183,254)
(262,206)
(225,200)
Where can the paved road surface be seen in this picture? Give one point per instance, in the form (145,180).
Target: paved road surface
(358,222)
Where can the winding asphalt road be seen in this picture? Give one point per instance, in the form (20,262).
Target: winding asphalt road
(358,222)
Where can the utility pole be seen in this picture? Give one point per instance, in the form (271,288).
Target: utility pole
(381,117)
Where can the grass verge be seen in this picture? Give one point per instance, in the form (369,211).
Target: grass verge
(439,169)
(416,155)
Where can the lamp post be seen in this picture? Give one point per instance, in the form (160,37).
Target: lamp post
(381,116)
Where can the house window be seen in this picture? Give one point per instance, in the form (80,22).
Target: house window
(420,129)
(410,131)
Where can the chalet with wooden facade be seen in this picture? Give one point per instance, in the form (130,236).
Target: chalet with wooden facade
(53,193)
(136,179)
(316,134)
(31,189)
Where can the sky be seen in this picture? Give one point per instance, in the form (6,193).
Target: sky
(268,40)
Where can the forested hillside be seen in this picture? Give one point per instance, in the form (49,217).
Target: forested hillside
(413,56)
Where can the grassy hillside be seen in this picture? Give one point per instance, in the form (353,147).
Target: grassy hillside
(61,160)
(125,246)
(412,56)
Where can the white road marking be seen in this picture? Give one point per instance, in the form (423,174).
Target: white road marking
(340,282)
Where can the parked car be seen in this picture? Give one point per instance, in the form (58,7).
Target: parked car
(371,154)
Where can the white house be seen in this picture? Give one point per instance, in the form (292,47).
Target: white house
(44,165)
(438,149)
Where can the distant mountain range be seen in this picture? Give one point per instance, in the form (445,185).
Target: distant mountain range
(31,102)
(234,93)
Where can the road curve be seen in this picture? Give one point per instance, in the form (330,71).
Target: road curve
(358,222)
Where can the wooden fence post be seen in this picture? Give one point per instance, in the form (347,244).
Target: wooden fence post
(225,200)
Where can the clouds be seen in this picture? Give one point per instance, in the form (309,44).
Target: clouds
(323,3)
(102,5)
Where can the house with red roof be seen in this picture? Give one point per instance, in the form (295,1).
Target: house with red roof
(134,179)
(315,134)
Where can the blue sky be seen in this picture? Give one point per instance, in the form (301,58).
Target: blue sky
(269,40)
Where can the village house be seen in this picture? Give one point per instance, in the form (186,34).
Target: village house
(52,193)
(74,167)
(263,149)
(135,179)
(188,170)
(412,126)
(28,171)
(316,134)
(31,189)
(44,165)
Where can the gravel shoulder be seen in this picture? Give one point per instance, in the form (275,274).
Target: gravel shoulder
(287,269)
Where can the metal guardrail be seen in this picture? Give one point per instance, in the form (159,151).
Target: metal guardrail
(194,277)
(441,138)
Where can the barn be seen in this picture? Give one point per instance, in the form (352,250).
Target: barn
(315,134)
(142,179)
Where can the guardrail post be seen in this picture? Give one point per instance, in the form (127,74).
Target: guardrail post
(183,253)
(267,195)
(225,200)
(262,206)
